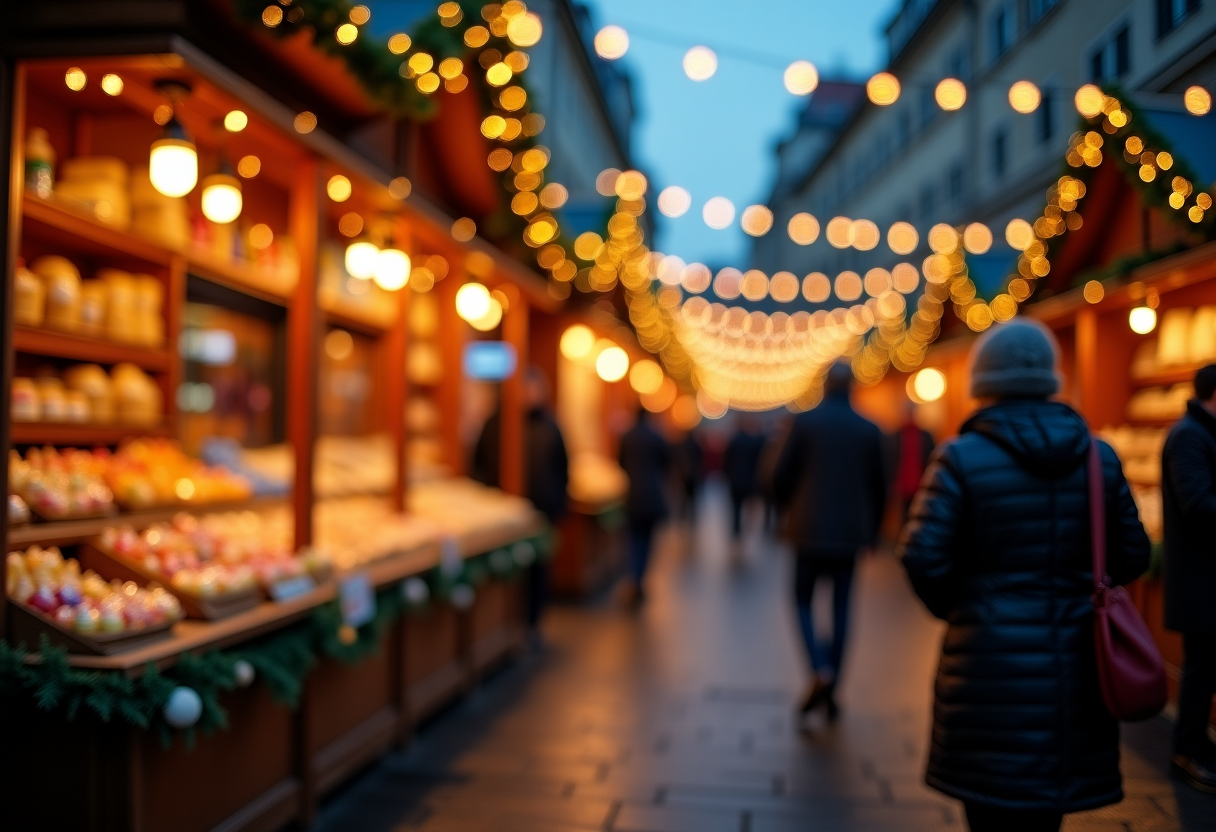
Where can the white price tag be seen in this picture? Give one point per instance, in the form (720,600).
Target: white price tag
(356,599)
(289,588)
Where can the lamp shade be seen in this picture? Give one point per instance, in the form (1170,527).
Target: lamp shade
(392,269)
(222,199)
(173,162)
(361,259)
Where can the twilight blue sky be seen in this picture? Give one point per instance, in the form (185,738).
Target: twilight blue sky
(717,137)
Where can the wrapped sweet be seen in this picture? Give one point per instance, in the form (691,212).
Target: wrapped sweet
(25,405)
(44,580)
(62,281)
(60,484)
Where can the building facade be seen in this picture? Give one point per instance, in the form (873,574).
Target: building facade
(915,162)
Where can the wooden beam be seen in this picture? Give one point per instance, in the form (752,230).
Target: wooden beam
(303,338)
(12,183)
(513,461)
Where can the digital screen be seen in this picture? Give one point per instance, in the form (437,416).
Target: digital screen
(489,360)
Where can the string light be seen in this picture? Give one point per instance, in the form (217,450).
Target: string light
(1024,97)
(700,63)
(883,89)
(801,78)
(112,84)
(950,94)
(674,201)
(1198,101)
(718,212)
(611,42)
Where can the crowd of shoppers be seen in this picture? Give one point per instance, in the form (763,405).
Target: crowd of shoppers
(996,541)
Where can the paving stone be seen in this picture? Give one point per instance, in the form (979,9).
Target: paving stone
(679,718)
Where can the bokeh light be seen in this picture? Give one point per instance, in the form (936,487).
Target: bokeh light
(1088,100)
(756,220)
(902,238)
(883,89)
(1024,96)
(864,235)
(75,79)
(784,287)
(803,228)
(611,42)
(1142,320)
(473,301)
(718,212)
(1198,101)
(943,239)
(338,188)
(674,201)
(848,286)
(646,377)
(977,239)
(684,413)
(801,78)
(1019,234)
(905,278)
(950,94)
(816,287)
(927,385)
(700,63)
(612,364)
(576,342)
(1094,291)
(112,84)
(838,231)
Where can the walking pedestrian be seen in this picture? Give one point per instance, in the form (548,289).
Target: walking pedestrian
(645,459)
(831,478)
(912,446)
(690,465)
(740,463)
(998,545)
(547,473)
(1188,490)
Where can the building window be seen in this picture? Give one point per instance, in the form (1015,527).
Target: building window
(1112,58)
(903,128)
(955,183)
(1002,28)
(1173,13)
(928,105)
(1000,153)
(927,197)
(959,66)
(1046,126)
(1036,9)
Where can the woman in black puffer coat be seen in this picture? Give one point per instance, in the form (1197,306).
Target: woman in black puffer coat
(998,545)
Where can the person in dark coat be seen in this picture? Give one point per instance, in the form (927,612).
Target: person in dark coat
(831,479)
(998,546)
(740,463)
(645,459)
(546,472)
(1188,491)
(690,463)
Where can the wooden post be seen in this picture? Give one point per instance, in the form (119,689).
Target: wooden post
(392,376)
(512,465)
(12,184)
(302,341)
(452,333)
(1085,394)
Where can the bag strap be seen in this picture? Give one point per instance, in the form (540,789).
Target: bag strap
(1097,516)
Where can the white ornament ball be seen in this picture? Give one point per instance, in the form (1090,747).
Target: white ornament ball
(463,596)
(184,707)
(416,591)
(451,564)
(244,673)
(524,553)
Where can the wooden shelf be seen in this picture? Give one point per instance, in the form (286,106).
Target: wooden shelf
(356,321)
(71,227)
(65,345)
(75,230)
(1166,378)
(70,532)
(72,433)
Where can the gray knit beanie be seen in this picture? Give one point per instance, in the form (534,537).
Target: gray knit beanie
(1015,360)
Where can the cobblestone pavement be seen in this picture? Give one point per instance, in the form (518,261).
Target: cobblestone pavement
(679,719)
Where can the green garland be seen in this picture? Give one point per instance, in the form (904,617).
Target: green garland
(281,660)
(1154,194)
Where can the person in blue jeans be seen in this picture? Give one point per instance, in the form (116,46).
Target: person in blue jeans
(831,478)
(645,457)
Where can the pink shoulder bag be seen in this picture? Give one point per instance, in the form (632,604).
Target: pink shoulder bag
(1131,672)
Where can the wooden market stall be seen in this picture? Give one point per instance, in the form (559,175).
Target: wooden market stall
(133,319)
(1131,298)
